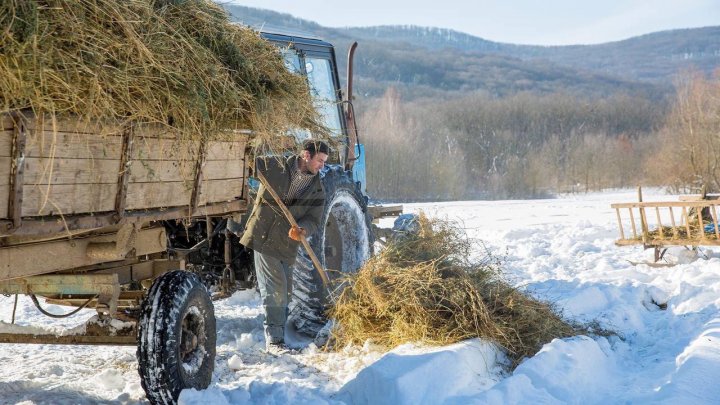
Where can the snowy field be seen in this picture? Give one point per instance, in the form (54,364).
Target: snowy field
(562,250)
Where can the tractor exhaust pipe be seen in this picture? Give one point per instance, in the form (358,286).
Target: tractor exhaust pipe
(350,112)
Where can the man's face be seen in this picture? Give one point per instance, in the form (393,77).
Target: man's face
(314,164)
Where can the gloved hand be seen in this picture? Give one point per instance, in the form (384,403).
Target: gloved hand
(296,233)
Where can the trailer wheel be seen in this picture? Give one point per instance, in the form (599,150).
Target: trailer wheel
(176,337)
(342,244)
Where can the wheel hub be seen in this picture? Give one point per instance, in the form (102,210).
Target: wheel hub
(192,336)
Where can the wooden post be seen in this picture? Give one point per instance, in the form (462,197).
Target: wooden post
(632,222)
(686,218)
(674,226)
(17,171)
(700,222)
(660,226)
(643,219)
(124,173)
(715,222)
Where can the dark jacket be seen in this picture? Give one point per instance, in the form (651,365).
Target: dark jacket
(267,228)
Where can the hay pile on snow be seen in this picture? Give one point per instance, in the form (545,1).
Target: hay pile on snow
(178,63)
(427,288)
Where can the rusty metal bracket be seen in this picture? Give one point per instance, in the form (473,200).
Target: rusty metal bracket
(17,171)
(197,182)
(124,173)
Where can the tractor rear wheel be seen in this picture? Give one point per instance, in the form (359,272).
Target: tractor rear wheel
(342,244)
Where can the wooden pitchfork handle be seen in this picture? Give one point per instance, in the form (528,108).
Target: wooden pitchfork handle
(289,216)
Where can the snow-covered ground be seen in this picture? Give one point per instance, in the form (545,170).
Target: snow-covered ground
(562,250)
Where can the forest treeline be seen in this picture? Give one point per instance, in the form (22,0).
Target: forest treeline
(530,145)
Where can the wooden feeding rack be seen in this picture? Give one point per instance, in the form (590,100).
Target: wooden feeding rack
(692,221)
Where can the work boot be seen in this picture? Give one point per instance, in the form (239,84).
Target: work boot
(274,344)
(276,349)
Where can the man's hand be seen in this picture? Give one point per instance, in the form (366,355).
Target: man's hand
(296,233)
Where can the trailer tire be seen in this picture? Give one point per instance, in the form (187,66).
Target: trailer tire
(176,337)
(342,244)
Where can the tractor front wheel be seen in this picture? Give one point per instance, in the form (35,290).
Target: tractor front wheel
(176,337)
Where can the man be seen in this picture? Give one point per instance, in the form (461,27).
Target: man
(269,234)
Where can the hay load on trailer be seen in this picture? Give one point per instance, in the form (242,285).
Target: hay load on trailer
(179,64)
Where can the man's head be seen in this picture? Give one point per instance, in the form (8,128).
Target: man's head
(314,155)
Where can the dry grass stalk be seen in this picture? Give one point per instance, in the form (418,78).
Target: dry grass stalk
(426,288)
(176,63)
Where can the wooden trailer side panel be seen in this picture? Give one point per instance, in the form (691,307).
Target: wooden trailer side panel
(78,168)
(66,169)
(223,172)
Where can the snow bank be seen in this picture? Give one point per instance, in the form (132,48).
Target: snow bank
(411,375)
(576,370)
(695,379)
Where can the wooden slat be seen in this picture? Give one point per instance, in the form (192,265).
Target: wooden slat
(226,150)
(68,199)
(674,226)
(673,242)
(698,197)
(220,190)
(660,225)
(4,199)
(93,128)
(153,171)
(5,170)
(632,222)
(63,171)
(620,225)
(164,149)
(157,195)
(6,138)
(223,169)
(686,219)
(665,204)
(6,122)
(155,131)
(63,199)
(70,145)
(701,230)
(146,171)
(70,171)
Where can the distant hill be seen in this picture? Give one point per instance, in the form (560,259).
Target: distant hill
(436,62)
(654,57)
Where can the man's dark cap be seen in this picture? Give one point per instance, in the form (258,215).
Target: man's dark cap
(315,145)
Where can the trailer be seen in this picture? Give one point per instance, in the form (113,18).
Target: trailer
(692,221)
(143,226)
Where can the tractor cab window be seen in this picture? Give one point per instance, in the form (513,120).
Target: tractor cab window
(292,60)
(293,64)
(319,74)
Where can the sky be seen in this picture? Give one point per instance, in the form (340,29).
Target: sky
(534,22)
